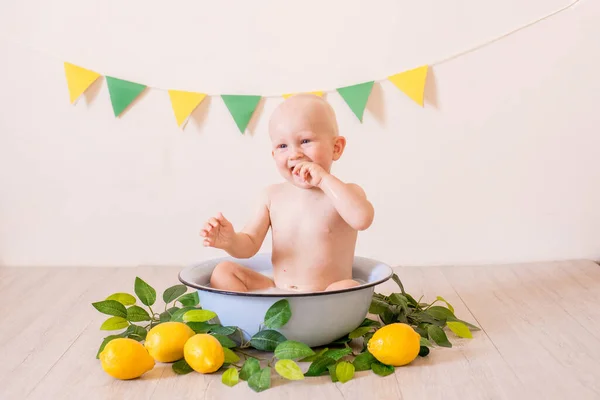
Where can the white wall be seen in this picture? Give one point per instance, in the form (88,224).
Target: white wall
(502,164)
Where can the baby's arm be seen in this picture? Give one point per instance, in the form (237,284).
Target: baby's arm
(245,243)
(349,200)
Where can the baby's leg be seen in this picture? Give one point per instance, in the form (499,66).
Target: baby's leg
(228,275)
(345,284)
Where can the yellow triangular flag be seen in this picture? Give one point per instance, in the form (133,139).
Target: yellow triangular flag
(317,93)
(184,103)
(412,83)
(78,80)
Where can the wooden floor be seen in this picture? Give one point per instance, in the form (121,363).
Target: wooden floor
(540,338)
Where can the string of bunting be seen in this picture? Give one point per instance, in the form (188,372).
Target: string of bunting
(241,107)
(123,93)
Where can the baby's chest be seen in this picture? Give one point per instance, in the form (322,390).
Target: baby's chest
(300,218)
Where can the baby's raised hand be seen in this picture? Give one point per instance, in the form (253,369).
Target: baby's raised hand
(310,173)
(218,232)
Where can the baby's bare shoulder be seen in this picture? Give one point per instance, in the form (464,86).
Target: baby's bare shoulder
(276,189)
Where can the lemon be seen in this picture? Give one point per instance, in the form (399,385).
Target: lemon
(165,341)
(204,353)
(395,344)
(124,358)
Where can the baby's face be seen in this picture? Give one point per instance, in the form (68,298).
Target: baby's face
(303,131)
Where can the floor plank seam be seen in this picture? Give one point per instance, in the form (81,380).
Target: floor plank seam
(58,360)
(398,385)
(157,382)
(485,333)
(340,390)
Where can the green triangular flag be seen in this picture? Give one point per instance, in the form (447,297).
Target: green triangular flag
(241,108)
(356,97)
(122,93)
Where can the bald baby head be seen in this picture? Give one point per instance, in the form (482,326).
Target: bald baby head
(304,112)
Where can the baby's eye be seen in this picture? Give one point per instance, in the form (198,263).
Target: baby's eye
(282,146)
(305,141)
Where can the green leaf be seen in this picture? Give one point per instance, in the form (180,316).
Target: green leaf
(278,314)
(399,300)
(172,293)
(124,298)
(399,283)
(224,340)
(189,299)
(389,316)
(135,332)
(200,327)
(421,329)
(411,300)
(144,292)
(360,331)
(470,326)
(250,367)
(344,371)
(291,349)
(337,354)
(459,329)
(439,313)
(223,330)
(382,369)
(423,351)
(260,380)
(343,340)
(230,356)
(370,322)
(366,339)
(111,307)
(331,369)
(319,366)
(289,370)
(377,306)
(105,342)
(114,324)
(230,377)
(137,314)
(363,361)
(198,316)
(425,342)
(424,317)
(438,335)
(267,340)
(166,316)
(178,315)
(314,356)
(181,367)
(440,298)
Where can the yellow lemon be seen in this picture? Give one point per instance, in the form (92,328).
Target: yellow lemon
(204,353)
(165,341)
(124,358)
(395,344)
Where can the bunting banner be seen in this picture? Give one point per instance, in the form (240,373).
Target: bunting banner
(356,97)
(78,80)
(122,93)
(412,83)
(242,107)
(184,103)
(317,93)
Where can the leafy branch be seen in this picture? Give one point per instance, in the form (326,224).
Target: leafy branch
(338,359)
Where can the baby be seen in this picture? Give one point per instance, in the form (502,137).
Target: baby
(314,216)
